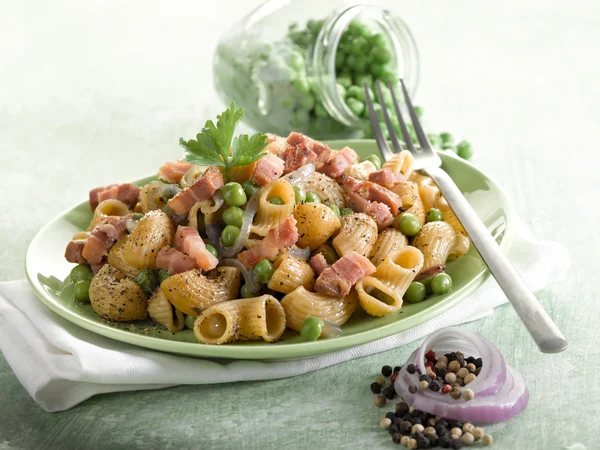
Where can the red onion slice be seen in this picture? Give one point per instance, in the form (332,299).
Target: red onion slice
(252,283)
(500,392)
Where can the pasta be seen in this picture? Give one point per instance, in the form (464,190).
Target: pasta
(290,273)
(301,304)
(244,319)
(165,313)
(154,231)
(358,233)
(388,241)
(316,223)
(309,222)
(381,293)
(115,296)
(270,215)
(439,241)
(192,292)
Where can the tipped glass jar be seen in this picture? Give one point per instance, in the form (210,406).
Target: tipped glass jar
(299,65)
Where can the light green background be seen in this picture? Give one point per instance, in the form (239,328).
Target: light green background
(97,92)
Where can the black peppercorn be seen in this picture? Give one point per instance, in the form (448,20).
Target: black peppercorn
(402,408)
(390,415)
(425,377)
(478,362)
(405,427)
(422,442)
(416,420)
(396,438)
(444,441)
(456,444)
(412,389)
(410,368)
(470,360)
(415,413)
(375,388)
(435,385)
(388,393)
(386,371)
(442,423)
(441,430)
(397,369)
(407,417)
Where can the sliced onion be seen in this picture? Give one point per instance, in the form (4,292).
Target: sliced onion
(212,205)
(330,329)
(301,174)
(302,253)
(249,213)
(213,231)
(500,392)
(130,224)
(252,283)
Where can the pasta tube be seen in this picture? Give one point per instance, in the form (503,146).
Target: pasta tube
(358,233)
(164,313)
(316,223)
(439,241)
(290,273)
(382,292)
(400,163)
(153,232)
(244,319)
(106,208)
(326,188)
(388,241)
(117,297)
(270,215)
(411,200)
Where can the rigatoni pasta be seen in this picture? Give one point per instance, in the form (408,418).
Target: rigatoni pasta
(154,231)
(316,223)
(388,241)
(164,313)
(358,233)
(117,297)
(400,163)
(439,241)
(270,215)
(290,273)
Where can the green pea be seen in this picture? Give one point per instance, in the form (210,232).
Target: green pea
(213,250)
(387,98)
(263,271)
(376,160)
(381,55)
(408,224)
(384,130)
(320,111)
(335,209)
(435,215)
(307,102)
(311,328)
(353,91)
(296,61)
(81,272)
(229,235)
(358,29)
(344,80)
(419,111)
(448,146)
(137,216)
(446,137)
(286,102)
(389,75)
(377,69)
(356,106)
(427,283)
(233,215)
(362,79)
(245,293)
(441,283)
(346,211)
(341,90)
(350,58)
(464,150)
(299,194)
(329,257)
(415,293)
(250,188)
(340,59)
(434,139)
(189,322)
(147,280)
(360,63)
(301,85)
(377,40)
(276,201)
(81,290)
(311,197)
(360,45)
(163,274)
(233,194)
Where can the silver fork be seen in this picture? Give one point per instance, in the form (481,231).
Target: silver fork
(543,330)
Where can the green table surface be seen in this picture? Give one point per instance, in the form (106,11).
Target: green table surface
(99,93)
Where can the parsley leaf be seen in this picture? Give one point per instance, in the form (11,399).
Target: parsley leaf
(214,143)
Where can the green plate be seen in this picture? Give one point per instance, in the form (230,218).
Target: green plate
(46,266)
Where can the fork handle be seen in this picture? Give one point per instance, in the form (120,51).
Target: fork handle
(543,330)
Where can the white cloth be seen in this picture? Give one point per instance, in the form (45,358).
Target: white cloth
(60,364)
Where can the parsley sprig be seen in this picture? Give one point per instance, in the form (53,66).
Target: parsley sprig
(215,144)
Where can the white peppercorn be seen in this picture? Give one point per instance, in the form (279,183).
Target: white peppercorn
(488,439)
(467,438)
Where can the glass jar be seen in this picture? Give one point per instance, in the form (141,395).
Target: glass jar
(301,66)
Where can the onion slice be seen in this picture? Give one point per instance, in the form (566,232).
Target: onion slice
(330,329)
(213,231)
(252,283)
(249,212)
(300,174)
(302,253)
(500,392)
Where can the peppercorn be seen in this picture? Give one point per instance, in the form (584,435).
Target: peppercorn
(468,394)
(390,415)
(456,444)
(462,372)
(397,369)
(412,444)
(380,380)
(423,385)
(457,431)
(460,360)
(435,385)
(430,355)
(396,438)
(433,439)
(423,442)
(478,433)
(467,438)
(428,430)
(441,430)
(454,366)
(393,377)
(443,359)
(385,423)
(425,378)
(468,427)
(441,365)
(375,388)
(380,401)
(460,381)
(470,378)
(446,389)
(404,440)
(478,371)
(389,392)
(402,408)
(470,360)
(405,427)
(416,428)
(431,422)
(386,371)
(415,413)
(441,373)
(488,440)
(471,367)
(412,389)
(443,441)
(455,393)
(429,364)
(410,368)
(411,409)
(450,378)
(478,363)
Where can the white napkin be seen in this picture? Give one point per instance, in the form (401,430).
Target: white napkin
(60,364)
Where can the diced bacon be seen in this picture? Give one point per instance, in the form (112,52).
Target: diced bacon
(172,171)
(127,193)
(386,178)
(339,162)
(318,263)
(338,279)
(174,261)
(74,251)
(276,144)
(272,137)
(103,237)
(296,157)
(268,168)
(322,151)
(96,267)
(202,189)
(285,235)
(373,199)
(187,240)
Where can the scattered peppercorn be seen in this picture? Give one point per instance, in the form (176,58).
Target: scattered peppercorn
(450,378)
(412,444)
(462,372)
(468,427)
(455,393)
(389,392)
(396,437)
(410,368)
(471,367)
(468,394)
(435,385)
(457,431)
(386,371)
(446,389)
(385,423)
(425,377)
(456,444)
(467,438)
(397,369)
(380,401)
(444,441)
(488,439)
(380,380)
(423,385)
(416,428)
(454,366)
(412,389)
(375,388)
(405,427)
(470,378)
(478,433)
(404,440)
(402,407)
